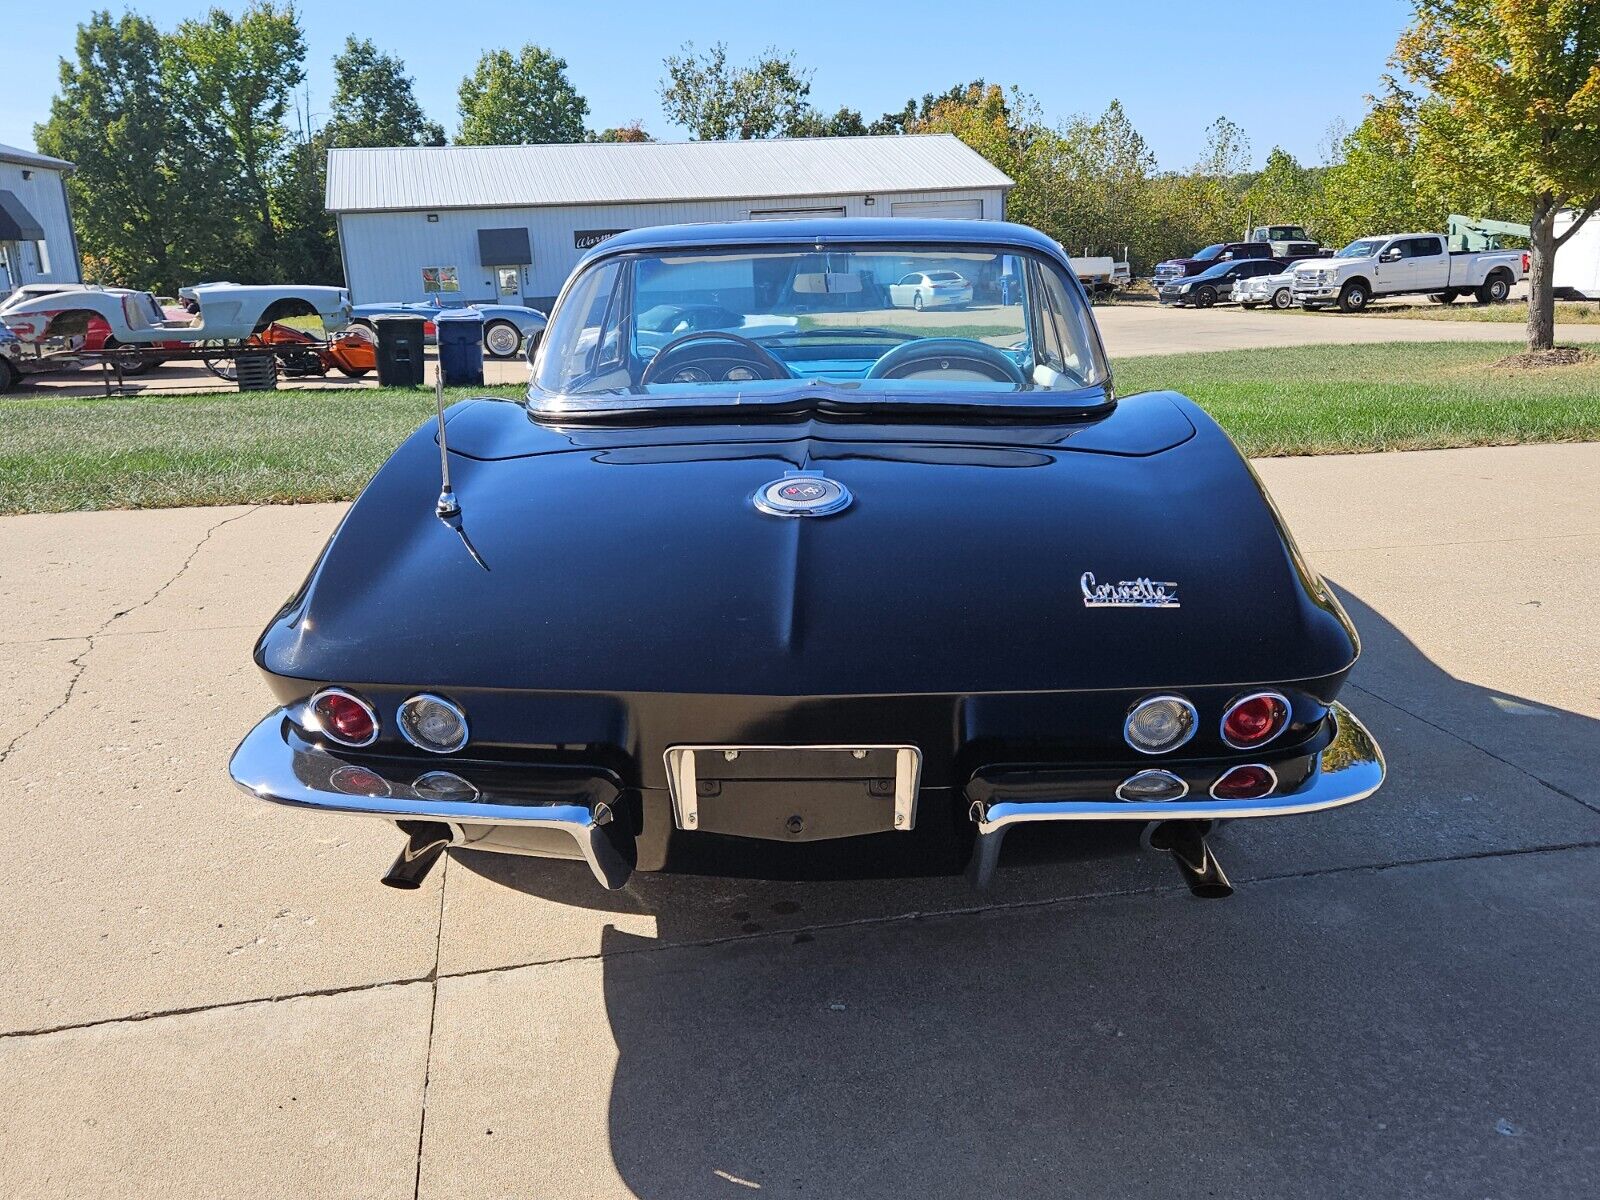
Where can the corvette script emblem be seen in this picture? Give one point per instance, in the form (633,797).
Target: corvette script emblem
(1128,593)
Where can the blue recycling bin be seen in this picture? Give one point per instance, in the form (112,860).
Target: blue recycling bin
(461,347)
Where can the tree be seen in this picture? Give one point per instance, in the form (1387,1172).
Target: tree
(228,82)
(915,111)
(373,102)
(716,101)
(111,120)
(521,100)
(1283,191)
(633,131)
(1519,82)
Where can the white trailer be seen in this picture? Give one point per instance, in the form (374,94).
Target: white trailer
(1577,273)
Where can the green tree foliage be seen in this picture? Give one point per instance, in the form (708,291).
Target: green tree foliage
(374,103)
(633,131)
(717,101)
(1518,84)
(111,120)
(228,82)
(524,99)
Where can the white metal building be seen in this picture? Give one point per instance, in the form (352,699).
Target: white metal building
(37,244)
(465,223)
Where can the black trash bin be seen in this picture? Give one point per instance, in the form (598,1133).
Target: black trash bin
(461,347)
(400,351)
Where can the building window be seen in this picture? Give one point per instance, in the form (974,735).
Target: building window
(510,281)
(440,279)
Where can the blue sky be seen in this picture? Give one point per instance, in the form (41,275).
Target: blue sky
(1174,65)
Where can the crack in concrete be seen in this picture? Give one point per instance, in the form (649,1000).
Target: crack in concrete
(1466,741)
(434,976)
(80,661)
(433,1012)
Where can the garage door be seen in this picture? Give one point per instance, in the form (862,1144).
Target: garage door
(794,214)
(957,210)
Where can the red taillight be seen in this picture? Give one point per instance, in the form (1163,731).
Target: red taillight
(1526,260)
(1244,783)
(429,329)
(344,717)
(1252,720)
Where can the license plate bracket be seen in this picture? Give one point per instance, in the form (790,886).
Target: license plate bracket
(837,790)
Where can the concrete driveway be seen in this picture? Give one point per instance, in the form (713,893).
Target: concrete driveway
(209,996)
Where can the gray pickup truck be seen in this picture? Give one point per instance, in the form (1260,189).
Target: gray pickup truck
(1401,264)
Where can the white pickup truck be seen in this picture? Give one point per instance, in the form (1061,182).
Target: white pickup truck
(1402,264)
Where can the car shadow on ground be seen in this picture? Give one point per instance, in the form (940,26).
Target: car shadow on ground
(1368,1032)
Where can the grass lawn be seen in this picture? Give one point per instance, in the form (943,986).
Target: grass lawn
(1568,312)
(152,451)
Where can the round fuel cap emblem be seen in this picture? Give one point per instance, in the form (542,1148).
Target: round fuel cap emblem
(802,496)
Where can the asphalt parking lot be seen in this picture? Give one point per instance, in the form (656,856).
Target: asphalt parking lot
(1129,329)
(211,996)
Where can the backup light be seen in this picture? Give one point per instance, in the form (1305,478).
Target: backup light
(1159,724)
(1152,785)
(433,724)
(1249,782)
(344,717)
(442,785)
(1254,719)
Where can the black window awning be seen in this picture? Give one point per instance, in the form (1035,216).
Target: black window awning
(16,222)
(504,248)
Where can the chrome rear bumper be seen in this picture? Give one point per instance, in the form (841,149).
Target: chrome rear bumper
(275,763)
(1348,769)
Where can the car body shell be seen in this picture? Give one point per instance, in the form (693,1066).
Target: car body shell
(226,312)
(652,664)
(529,322)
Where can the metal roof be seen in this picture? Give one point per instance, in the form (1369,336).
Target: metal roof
(31,158)
(435,177)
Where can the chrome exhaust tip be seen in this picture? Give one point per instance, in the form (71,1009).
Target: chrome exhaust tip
(425,842)
(1192,854)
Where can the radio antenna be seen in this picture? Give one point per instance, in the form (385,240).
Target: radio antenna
(448,505)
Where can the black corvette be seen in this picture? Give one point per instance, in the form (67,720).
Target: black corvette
(833,569)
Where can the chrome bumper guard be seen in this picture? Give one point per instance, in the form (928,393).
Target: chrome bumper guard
(276,764)
(1348,769)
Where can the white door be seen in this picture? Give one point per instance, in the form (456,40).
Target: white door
(794,214)
(1430,265)
(943,210)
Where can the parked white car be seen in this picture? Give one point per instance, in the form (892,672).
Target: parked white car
(1401,264)
(930,289)
(1577,269)
(227,312)
(1276,290)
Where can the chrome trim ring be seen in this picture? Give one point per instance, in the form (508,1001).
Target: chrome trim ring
(1183,787)
(1271,774)
(1222,726)
(1194,723)
(400,723)
(808,494)
(312,716)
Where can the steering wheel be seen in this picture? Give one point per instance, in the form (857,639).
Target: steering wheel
(706,365)
(927,357)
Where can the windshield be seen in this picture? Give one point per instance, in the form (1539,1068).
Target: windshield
(948,323)
(1208,253)
(1365,248)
